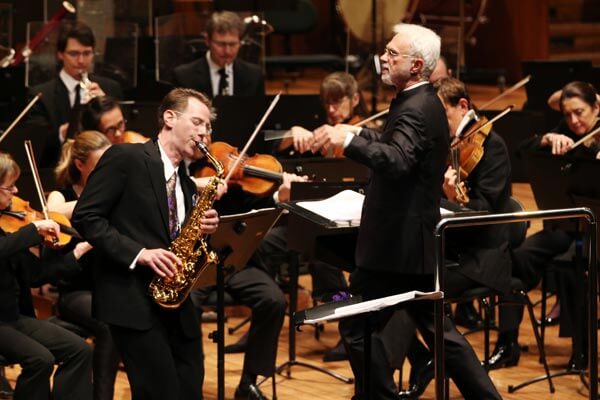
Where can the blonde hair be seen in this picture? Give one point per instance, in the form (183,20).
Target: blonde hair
(80,148)
(8,167)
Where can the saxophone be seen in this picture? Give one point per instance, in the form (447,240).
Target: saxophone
(190,247)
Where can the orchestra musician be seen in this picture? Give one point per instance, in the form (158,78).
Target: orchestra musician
(580,108)
(79,157)
(103,114)
(37,345)
(482,254)
(61,96)
(124,212)
(395,248)
(342,102)
(220,71)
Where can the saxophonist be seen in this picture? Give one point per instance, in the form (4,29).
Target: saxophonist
(131,209)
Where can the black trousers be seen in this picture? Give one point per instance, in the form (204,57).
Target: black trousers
(76,307)
(161,362)
(254,288)
(461,362)
(529,262)
(37,346)
(455,284)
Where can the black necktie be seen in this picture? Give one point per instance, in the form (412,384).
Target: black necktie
(223,86)
(75,117)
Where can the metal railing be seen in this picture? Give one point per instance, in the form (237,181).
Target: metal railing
(581,213)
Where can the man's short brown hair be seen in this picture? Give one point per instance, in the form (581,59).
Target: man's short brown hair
(177,100)
(224,22)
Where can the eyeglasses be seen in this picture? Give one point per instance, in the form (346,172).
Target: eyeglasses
(10,189)
(393,53)
(77,54)
(198,123)
(120,126)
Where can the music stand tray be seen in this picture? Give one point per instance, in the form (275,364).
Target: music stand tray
(235,240)
(354,307)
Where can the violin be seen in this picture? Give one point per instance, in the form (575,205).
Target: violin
(466,150)
(134,137)
(470,147)
(20,213)
(257,174)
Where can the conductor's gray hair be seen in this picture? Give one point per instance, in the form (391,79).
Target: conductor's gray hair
(424,43)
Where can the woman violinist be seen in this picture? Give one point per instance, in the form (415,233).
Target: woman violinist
(342,102)
(37,345)
(79,157)
(580,109)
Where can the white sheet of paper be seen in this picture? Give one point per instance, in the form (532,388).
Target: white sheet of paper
(344,206)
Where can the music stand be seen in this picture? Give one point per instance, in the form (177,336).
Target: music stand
(235,240)
(302,220)
(337,171)
(327,312)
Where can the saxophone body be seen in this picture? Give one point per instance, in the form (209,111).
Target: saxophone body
(190,247)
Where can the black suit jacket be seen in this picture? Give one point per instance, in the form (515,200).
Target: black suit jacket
(401,206)
(482,252)
(248,79)
(54,109)
(20,270)
(122,210)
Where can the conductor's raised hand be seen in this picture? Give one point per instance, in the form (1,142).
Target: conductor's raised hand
(163,262)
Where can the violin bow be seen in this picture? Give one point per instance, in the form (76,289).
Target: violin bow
(511,89)
(281,134)
(490,122)
(372,117)
(20,116)
(585,138)
(36,177)
(237,162)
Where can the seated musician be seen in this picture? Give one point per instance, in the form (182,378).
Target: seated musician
(580,108)
(79,157)
(342,102)
(103,114)
(482,253)
(254,285)
(62,95)
(37,345)
(220,71)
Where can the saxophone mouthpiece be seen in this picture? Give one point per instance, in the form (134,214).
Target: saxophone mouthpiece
(202,147)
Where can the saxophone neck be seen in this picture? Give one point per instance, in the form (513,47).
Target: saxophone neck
(214,162)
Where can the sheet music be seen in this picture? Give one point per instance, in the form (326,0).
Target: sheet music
(376,305)
(344,208)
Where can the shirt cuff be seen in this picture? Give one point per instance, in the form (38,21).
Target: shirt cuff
(276,197)
(134,262)
(349,137)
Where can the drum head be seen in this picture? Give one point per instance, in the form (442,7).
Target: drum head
(357,16)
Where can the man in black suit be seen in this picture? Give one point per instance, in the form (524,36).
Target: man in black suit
(395,246)
(482,254)
(58,107)
(219,72)
(130,216)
